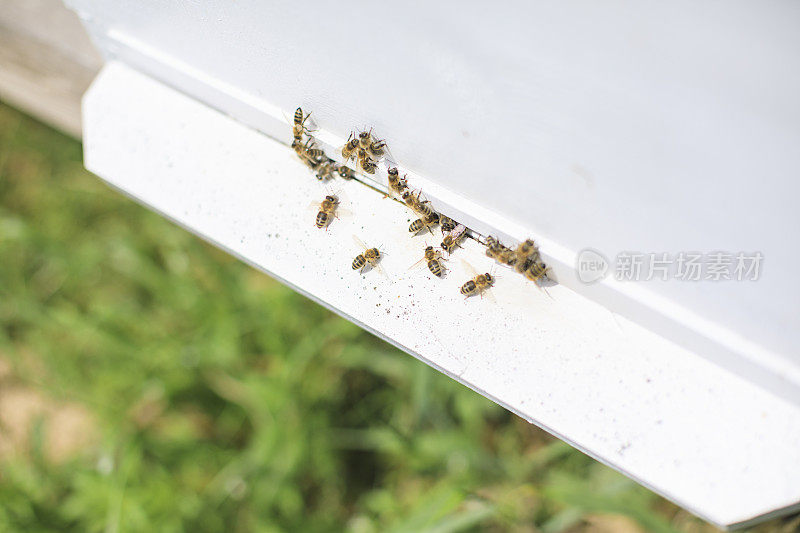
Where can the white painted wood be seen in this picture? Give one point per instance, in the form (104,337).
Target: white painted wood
(703,437)
(618,126)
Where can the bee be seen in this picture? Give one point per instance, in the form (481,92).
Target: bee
(326,169)
(396,183)
(537,271)
(377,148)
(424,223)
(506,256)
(433,260)
(300,148)
(368,257)
(500,253)
(372,146)
(425,210)
(327,211)
(368,165)
(479,283)
(446,223)
(307,152)
(315,154)
(365,139)
(451,240)
(408,198)
(350,148)
(421,207)
(346,172)
(299,127)
(525,254)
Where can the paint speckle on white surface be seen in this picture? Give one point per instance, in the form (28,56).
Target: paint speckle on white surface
(705,438)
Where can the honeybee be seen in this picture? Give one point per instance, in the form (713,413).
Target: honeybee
(424,223)
(413,202)
(500,253)
(451,240)
(409,199)
(346,172)
(525,254)
(315,154)
(377,148)
(327,211)
(365,139)
(300,148)
(368,165)
(307,152)
(396,183)
(537,271)
(300,124)
(446,223)
(479,284)
(425,210)
(325,170)
(368,257)
(350,148)
(433,260)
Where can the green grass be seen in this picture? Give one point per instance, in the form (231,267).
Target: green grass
(223,401)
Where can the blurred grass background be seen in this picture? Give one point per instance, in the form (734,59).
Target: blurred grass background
(150,382)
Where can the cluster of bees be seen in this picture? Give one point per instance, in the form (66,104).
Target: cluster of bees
(367,152)
(525,258)
(314,157)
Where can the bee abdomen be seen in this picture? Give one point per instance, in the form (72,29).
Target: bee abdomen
(435,267)
(368,166)
(377,148)
(416,226)
(359,262)
(322,219)
(298,116)
(468,288)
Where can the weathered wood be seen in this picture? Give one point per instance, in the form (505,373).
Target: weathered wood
(46,61)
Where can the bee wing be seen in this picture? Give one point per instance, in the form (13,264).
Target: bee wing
(380,269)
(313,207)
(342,198)
(469,269)
(360,244)
(417,264)
(488,294)
(458,232)
(308,123)
(386,153)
